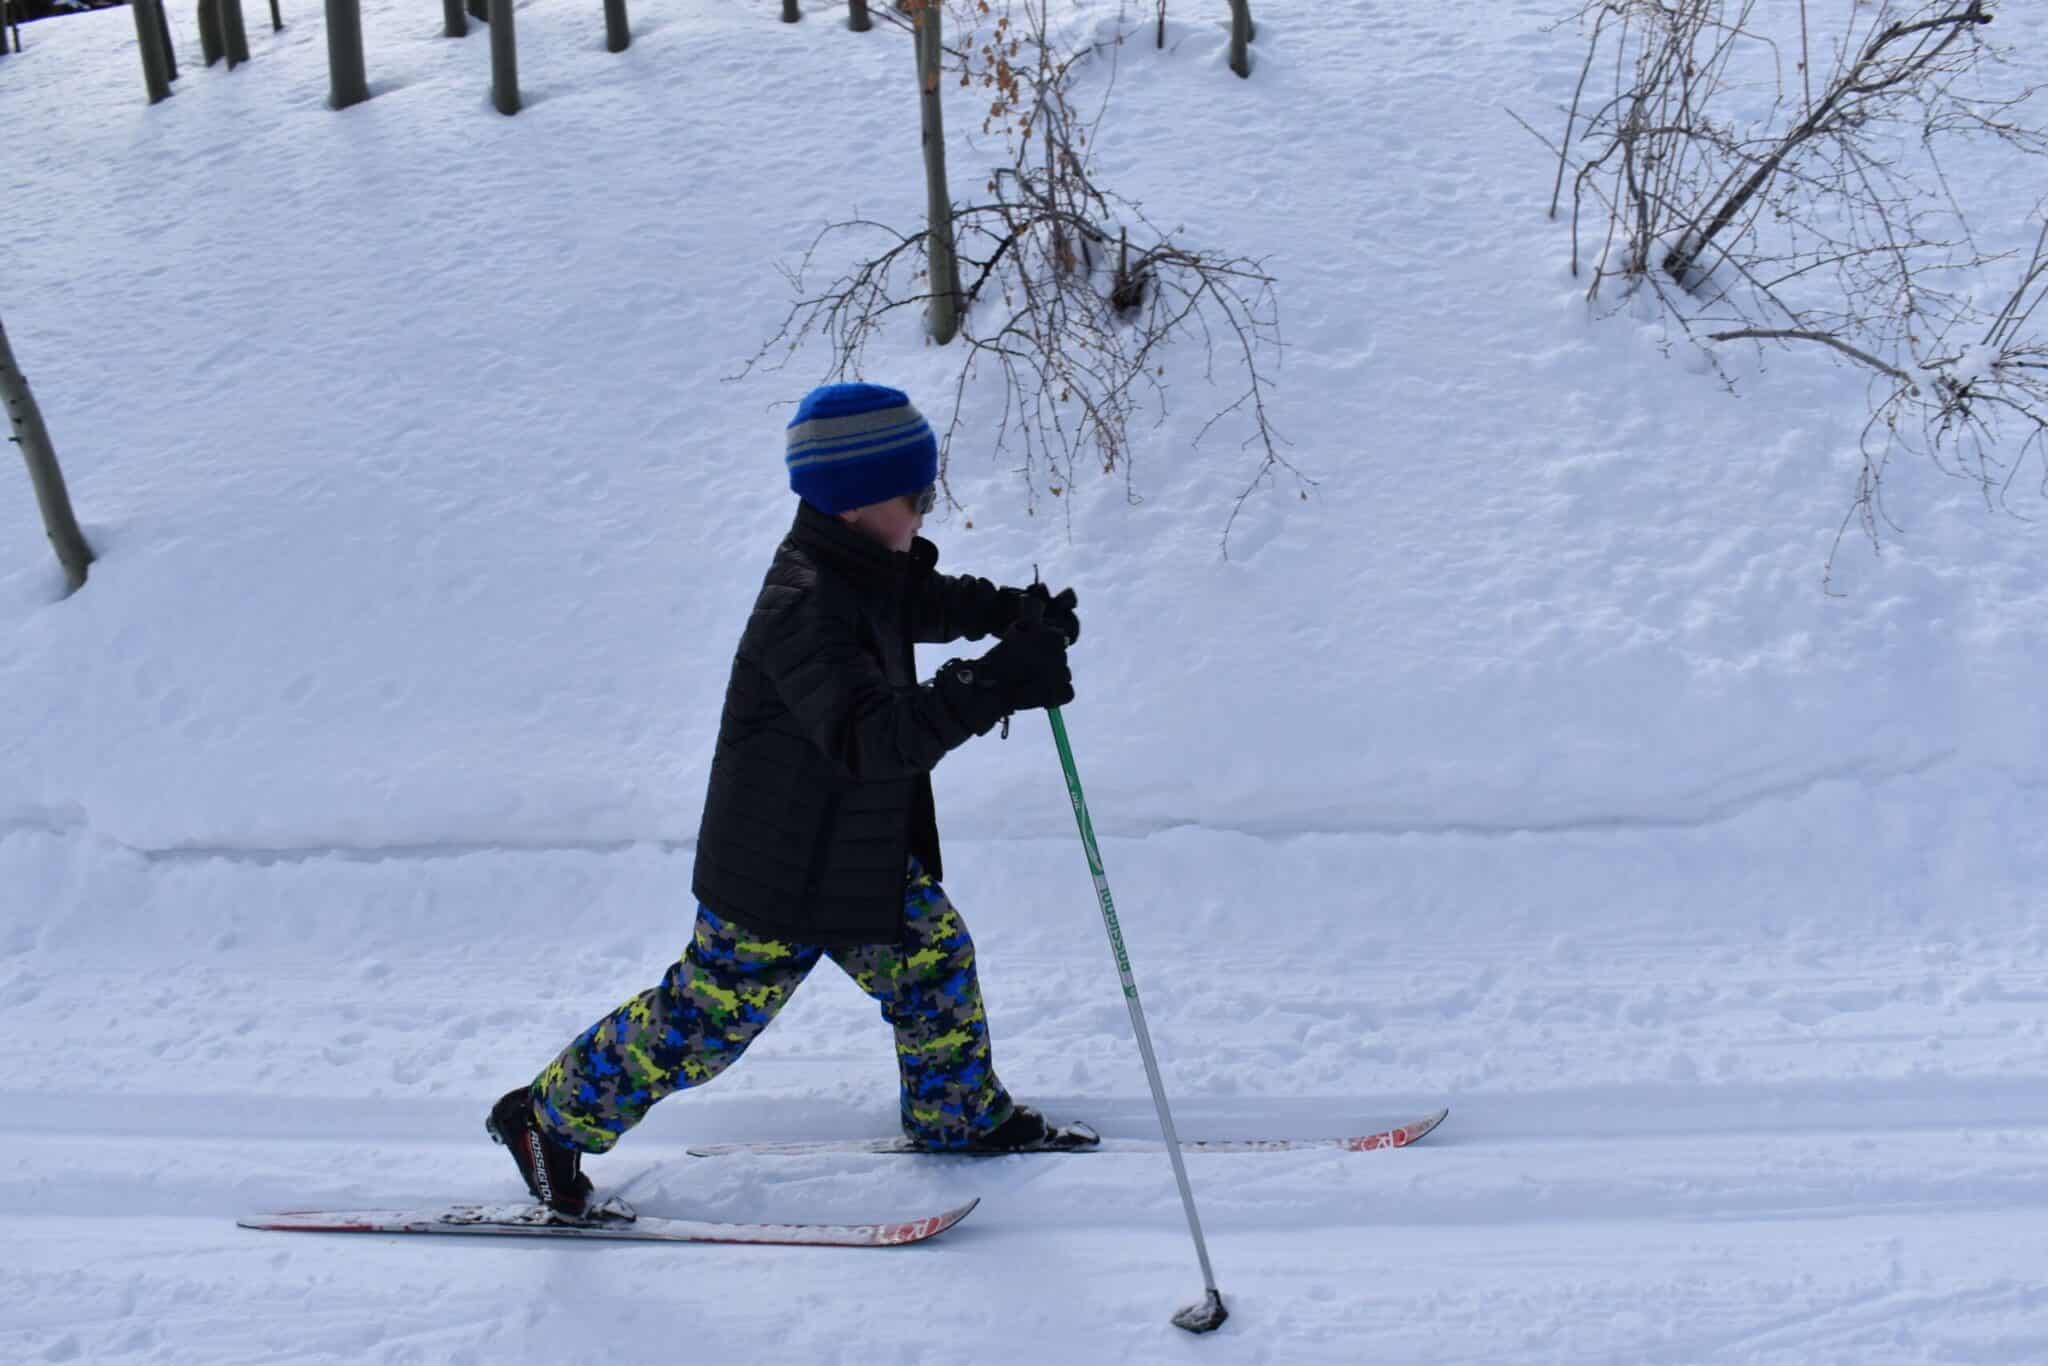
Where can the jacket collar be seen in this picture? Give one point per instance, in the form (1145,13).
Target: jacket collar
(858,556)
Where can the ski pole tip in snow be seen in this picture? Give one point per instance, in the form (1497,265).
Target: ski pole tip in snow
(1205,1317)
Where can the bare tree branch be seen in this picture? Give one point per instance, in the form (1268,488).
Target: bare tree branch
(1076,297)
(1830,218)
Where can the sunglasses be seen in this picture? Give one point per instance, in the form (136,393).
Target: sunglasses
(924,500)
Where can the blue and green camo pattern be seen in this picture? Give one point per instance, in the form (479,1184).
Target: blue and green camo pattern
(727,988)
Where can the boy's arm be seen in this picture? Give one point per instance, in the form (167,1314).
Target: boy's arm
(955,606)
(952,606)
(839,697)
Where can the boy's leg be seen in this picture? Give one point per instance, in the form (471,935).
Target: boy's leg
(708,1008)
(929,992)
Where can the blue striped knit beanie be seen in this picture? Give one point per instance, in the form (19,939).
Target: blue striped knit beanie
(855,444)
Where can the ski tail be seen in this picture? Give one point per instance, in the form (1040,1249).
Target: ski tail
(538,1221)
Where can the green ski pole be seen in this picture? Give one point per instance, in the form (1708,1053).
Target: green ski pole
(1210,1313)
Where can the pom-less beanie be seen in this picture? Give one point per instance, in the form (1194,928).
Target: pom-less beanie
(854,444)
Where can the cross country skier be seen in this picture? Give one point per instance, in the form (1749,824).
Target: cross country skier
(819,836)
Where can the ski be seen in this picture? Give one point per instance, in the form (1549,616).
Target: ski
(1072,1140)
(614,1221)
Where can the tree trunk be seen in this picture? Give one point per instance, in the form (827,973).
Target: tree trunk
(235,32)
(790,13)
(212,46)
(65,537)
(347,82)
(276,18)
(943,320)
(857,16)
(163,23)
(1240,37)
(150,38)
(504,59)
(454,20)
(618,34)
(479,10)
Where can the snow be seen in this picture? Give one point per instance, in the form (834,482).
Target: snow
(1525,767)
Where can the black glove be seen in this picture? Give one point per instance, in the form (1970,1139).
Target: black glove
(1039,603)
(1026,669)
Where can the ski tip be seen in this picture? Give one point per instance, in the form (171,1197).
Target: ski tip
(276,1219)
(308,1221)
(918,1230)
(1421,1128)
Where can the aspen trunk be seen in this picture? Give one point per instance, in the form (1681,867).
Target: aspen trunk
(234,32)
(149,37)
(212,46)
(347,82)
(504,59)
(943,320)
(27,423)
(163,23)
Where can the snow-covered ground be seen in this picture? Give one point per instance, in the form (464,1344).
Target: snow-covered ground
(1525,768)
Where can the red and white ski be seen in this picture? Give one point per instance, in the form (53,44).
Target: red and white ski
(537,1221)
(1393,1136)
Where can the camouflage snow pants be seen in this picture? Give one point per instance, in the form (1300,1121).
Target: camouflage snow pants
(729,985)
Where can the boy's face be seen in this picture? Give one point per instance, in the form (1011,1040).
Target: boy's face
(894,523)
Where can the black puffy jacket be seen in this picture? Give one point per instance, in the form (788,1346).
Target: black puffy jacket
(821,781)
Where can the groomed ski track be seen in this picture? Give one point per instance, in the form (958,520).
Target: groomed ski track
(1662,1149)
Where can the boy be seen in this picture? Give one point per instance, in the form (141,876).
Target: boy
(819,836)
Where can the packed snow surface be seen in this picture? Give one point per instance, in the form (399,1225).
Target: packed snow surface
(1525,766)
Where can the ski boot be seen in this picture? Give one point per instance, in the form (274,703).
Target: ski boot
(552,1170)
